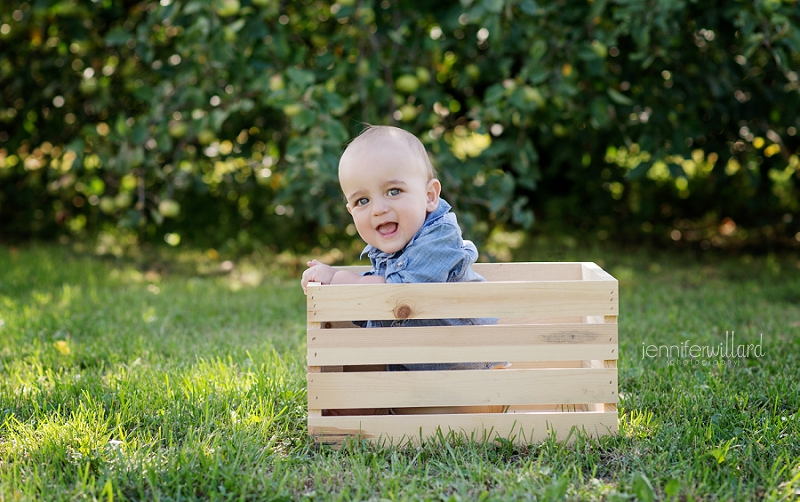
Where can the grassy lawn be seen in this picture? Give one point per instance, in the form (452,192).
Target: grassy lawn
(183,378)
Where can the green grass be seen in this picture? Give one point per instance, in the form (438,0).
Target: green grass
(144,378)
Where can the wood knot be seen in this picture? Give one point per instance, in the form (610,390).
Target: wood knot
(402,312)
(328,325)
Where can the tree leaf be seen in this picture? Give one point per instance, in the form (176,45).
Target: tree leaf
(493,6)
(118,36)
(619,98)
(303,78)
(304,120)
(529,7)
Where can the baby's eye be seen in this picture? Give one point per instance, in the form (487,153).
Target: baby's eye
(362,201)
(394,191)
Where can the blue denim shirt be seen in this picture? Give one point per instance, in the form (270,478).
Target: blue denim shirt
(436,253)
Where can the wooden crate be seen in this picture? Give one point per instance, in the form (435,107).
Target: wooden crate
(557,326)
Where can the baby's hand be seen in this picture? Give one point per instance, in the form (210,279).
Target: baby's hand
(317,272)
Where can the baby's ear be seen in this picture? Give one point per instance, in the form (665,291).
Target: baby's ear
(433,190)
(347,204)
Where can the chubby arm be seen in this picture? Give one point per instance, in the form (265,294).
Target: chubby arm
(325,274)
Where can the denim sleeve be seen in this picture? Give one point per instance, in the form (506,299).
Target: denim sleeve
(436,255)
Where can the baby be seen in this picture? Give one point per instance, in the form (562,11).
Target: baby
(393,195)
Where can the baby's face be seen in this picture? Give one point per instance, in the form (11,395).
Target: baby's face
(388,194)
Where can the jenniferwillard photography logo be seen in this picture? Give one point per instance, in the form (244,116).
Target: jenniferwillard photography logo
(727,353)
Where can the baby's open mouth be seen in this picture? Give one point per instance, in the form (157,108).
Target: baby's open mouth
(387,228)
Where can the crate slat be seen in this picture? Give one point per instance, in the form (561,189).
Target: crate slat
(592,272)
(462,300)
(462,388)
(522,427)
(530,271)
(517,271)
(556,342)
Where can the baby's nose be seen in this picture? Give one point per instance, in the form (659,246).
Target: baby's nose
(379,206)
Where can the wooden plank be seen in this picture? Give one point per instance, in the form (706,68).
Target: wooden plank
(522,428)
(462,344)
(523,365)
(518,271)
(314,411)
(530,271)
(610,406)
(594,363)
(607,362)
(311,328)
(462,388)
(502,320)
(592,272)
(549,408)
(461,300)
(540,320)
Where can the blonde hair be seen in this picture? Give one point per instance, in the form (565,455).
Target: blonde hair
(376,133)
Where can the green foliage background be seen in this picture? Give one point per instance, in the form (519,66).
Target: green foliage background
(222,121)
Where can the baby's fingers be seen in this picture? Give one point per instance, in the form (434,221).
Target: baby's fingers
(307,277)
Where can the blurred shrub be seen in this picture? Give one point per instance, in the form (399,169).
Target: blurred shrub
(222,121)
